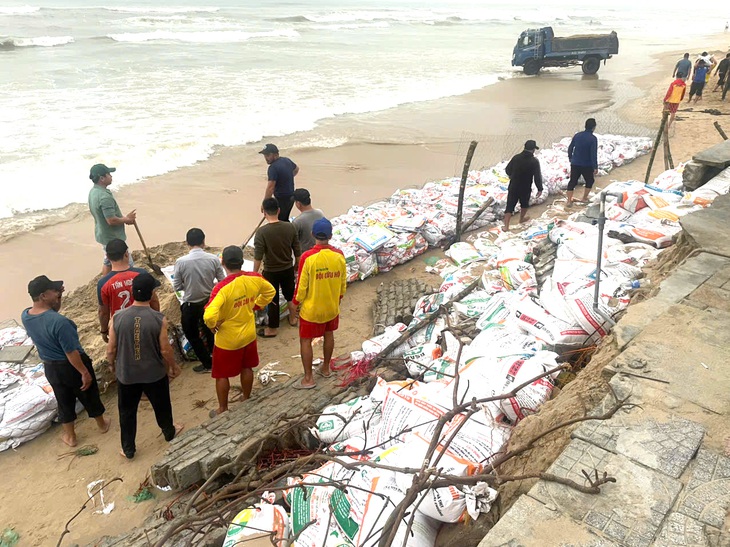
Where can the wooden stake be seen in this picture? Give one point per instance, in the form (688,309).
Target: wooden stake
(658,140)
(668,161)
(462,188)
(719,130)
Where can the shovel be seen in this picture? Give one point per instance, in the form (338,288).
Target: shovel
(155,267)
(245,241)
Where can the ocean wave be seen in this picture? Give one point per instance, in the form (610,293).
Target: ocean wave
(15,223)
(18,10)
(212,37)
(41,41)
(179,9)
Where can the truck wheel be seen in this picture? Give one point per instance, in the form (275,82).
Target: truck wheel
(532,67)
(591,65)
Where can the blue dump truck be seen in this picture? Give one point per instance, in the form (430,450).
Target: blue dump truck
(537,48)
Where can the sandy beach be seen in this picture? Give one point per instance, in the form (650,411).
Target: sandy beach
(222,196)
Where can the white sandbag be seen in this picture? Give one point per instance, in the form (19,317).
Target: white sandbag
(428,305)
(423,532)
(473,304)
(375,345)
(517,275)
(418,358)
(403,412)
(515,372)
(372,238)
(594,322)
(502,341)
(439,369)
(463,253)
(367,264)
(534,319)
(495,311)
(340,422)
(263,519)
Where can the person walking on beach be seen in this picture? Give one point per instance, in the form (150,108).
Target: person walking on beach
(114,290)
(321,284)
(698,82)
(306,219)
(721,71)
(141,357)
(522,169)
(683,68)
(230,315)
(583,156)
(280,184)
(275,243)
(196,274)
(673,98)
(67,367)
(108,219)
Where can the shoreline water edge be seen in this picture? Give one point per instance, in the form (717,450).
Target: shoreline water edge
(373,155)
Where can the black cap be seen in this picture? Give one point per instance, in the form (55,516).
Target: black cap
(41,284)
(99,170)
(531,145)
(143,285)
(233,256)
(270,149)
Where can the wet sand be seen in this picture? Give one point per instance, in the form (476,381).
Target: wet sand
(401,147)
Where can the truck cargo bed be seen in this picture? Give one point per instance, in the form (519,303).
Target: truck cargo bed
(586,42)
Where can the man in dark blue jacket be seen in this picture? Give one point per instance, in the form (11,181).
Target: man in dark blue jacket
(522,170)
(583,156)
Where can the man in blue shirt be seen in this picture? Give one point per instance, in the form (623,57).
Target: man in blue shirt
(583,156)
(67,367)
(280,175)
(698,81)
(683,68)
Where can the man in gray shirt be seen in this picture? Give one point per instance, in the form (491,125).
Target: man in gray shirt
(196,274)
(140,355)
(306,219)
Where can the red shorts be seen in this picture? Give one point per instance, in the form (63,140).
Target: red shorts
(315,330)
(228,363)
(672,107)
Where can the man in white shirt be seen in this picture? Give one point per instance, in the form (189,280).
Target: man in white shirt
(196,274)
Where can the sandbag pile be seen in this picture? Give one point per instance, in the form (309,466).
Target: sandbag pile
(390,232)
(27,404)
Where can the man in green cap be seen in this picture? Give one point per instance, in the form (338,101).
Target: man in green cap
(108,219)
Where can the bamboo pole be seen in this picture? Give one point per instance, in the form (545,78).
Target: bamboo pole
(658,140)
(462,188)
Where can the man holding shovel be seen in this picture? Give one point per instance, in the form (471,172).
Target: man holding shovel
(108,219)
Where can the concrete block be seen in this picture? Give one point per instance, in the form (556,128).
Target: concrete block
(720,278)
(706,264)
(628,512)
(667,444)
(679,285)
(217,457)
(707,496)
(717,156)
(187,470)
(529,523)
(707,229)
(682,531)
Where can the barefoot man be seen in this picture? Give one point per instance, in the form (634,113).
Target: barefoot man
(321,285)
(522,169)
(230,315)
(140,355)
(583,156)
(68,369)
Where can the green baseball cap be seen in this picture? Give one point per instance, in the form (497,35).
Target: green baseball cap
(99,170)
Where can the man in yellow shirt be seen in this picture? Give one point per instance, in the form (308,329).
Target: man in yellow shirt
(230,315)
(321,284)
(673,98)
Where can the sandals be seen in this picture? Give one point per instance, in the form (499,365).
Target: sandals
(262,333)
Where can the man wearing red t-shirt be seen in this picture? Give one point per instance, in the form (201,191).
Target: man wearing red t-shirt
(114,290)
(673,98)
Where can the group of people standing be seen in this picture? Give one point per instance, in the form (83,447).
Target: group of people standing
(218,308)
(699,74)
